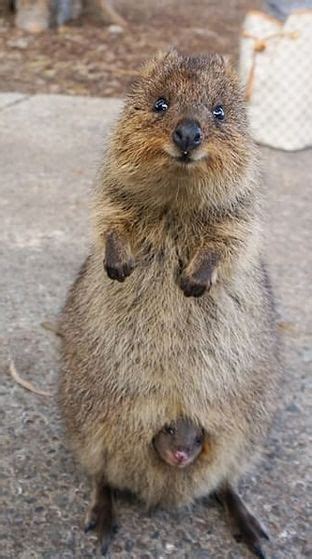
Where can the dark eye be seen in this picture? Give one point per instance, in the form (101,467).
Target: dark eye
(218,112)
(161,105)
(198,441)
(170,430)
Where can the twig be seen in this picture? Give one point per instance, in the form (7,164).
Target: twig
(110,15)
(52,327)
(122,72)
(25,383)
(119,71)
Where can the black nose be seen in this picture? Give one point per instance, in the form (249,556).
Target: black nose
(187,135)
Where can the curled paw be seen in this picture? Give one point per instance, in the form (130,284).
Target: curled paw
(193,286)
(119,269)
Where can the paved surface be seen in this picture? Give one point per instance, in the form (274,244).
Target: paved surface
(49,150)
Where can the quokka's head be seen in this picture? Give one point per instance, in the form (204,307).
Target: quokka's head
(184,117)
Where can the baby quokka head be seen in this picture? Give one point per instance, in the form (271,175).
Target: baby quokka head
(184,116)
(179,443)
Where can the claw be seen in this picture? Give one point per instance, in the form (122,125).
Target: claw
(90,526)
(105,541)
(256,549)
(266,537)
(264,534)
(115,528)
(104,548)
(238,538)
(100,515)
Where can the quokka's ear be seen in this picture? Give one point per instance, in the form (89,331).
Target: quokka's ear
(162,56)
(228,60)
(150,67)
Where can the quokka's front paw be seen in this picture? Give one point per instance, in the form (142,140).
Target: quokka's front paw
(119,269)
(118,260)
(199,275)
(193,286)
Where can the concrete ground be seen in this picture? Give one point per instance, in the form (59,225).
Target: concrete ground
(50,147)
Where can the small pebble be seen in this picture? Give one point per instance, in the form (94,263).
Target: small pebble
(293,408)
(20,43)
(115,29)
(307,355)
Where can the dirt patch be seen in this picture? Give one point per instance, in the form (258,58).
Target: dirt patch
(86,58)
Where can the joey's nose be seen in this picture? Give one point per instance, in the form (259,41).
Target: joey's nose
(187,135)
(180,456)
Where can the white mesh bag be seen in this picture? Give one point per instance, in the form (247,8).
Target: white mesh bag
(276,69)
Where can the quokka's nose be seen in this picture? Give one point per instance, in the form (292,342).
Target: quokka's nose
(187,135)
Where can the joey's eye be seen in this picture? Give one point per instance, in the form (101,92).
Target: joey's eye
(198,441)
(170,430)
(218,112)
(161,105)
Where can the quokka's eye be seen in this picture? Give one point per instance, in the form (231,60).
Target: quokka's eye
(161,105)
(170,430)
(218,112)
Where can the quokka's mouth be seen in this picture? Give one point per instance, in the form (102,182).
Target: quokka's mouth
(189,159)
(185,158)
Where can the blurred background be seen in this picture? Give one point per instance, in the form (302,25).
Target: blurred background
(95,48)
(92,55)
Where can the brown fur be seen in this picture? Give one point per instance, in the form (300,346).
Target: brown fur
(138,354)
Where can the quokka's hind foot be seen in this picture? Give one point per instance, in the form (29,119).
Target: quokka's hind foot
(100,515)
(246,528)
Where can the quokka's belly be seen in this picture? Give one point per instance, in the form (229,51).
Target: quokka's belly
(160,355)
(152,336)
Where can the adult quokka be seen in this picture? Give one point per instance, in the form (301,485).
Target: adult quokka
(179,321)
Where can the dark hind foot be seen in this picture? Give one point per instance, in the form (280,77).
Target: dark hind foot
(247,528)
(100,515)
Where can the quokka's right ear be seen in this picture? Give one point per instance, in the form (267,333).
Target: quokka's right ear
(151,67)
(161,56)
